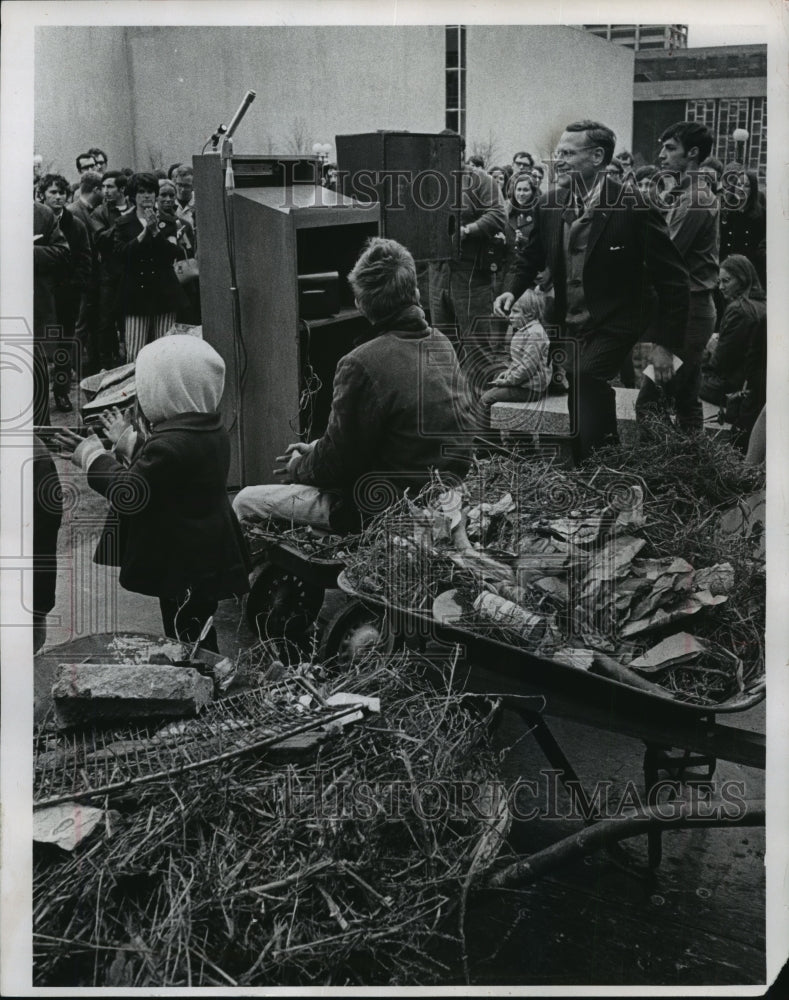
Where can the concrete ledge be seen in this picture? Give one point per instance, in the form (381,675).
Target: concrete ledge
(549,416)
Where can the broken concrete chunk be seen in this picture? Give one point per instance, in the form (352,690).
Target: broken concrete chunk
(96,692)
(65,824)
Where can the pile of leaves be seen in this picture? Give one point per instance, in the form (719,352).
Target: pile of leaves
(606,557)
(339,869)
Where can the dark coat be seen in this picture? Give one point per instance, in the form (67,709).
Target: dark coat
(148,285)
(81,269)
(399,409)
(104,219)
(738,327)
(746,233)
(47,515)
(85,215)
(628,251)
(171,526)
(51,259)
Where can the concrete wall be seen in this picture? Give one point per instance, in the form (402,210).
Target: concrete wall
(152,95)
(82,96)
(525,82)
(311,83)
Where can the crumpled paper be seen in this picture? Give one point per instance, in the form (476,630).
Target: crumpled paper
(685,649)
(669,589)
(480,516)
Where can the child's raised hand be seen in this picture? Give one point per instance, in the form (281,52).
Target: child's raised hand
(76,447)
(114,423)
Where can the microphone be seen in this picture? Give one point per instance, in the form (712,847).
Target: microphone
(249,97)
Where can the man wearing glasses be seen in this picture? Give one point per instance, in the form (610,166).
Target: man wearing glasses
(606,248)
(85,161)
(100,159)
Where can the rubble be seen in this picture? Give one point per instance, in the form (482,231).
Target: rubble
(90,692)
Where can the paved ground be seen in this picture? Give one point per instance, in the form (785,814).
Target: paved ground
(699,920)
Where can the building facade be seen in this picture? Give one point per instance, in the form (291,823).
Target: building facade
(725,87)
(642,36)
(151,96)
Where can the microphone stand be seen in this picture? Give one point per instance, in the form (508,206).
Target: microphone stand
(238,341)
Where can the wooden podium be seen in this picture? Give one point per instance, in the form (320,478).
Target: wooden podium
(280,366)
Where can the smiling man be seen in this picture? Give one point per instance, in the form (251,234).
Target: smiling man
(693,226)
(606,247)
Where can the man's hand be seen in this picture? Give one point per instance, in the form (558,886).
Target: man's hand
(503,304)
(288,463)
(661,362)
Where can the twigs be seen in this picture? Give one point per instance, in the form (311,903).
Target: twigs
(344,882)
(667,496)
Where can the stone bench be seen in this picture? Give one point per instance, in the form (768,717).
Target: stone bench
(548,416)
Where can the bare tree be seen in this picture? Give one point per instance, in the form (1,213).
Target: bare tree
(487,149)
(299,140)
(155,158)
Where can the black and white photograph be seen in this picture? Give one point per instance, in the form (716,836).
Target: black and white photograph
(393,534)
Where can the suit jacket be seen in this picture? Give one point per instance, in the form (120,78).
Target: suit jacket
(81,211)
(51,257)
(81,269)
(629,252)
(148,285)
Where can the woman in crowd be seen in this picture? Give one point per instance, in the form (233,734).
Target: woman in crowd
(739,357)
(146,249)
(744,219)
(625,157)
(711,171)
(522,195)
(499,175)
(185,266)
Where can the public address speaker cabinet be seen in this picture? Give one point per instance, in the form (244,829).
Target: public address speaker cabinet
(416,179)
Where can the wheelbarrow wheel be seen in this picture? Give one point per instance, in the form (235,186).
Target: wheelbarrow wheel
(281,604)
(355,631)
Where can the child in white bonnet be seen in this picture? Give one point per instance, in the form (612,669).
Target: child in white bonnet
(171,527)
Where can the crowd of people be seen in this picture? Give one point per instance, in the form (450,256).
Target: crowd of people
(592,253)
(619,253)
(115,266)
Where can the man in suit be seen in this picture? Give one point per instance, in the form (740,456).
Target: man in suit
(53,191)
(89,196)
(104,219)
(50,262)
(606,246)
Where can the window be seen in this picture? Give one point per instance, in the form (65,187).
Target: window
(703,112)
(757,144)
(723,116)
(455,64)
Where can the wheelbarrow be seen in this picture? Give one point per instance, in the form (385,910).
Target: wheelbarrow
(683,740)
(288,588)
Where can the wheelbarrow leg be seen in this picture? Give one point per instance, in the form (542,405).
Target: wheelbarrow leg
(680,767)
(553,752)
(652,756)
